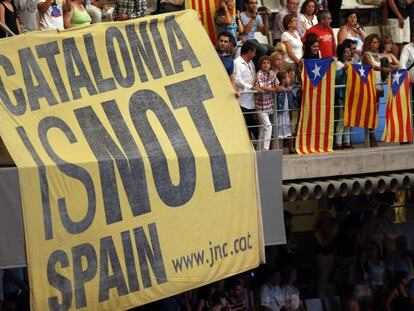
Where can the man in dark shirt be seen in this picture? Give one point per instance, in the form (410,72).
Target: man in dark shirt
(224,50)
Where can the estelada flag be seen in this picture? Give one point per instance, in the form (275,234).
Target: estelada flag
(315,129)
(398,110)
(206,10)
(361,97)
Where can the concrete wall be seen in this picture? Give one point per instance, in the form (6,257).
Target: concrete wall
(349,162)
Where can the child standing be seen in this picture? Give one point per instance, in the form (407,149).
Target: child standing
(276,59)
(284,104)
(265,83)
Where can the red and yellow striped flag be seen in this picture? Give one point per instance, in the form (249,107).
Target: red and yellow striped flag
(206,10)
(361,97)
(316,123)
(398,127)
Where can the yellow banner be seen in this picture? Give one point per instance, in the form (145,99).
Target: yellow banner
(137,176)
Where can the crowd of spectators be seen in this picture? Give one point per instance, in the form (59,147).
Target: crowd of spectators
(356,255)
(356,258)
(300,30)
(303,30)
(23,16)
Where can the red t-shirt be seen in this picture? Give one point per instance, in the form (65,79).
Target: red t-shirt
(326,40)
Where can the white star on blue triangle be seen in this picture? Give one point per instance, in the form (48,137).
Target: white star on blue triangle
(363,71)
(316,69)
(397,78)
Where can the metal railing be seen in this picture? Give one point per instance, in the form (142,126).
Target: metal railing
(359,137)
(6,29)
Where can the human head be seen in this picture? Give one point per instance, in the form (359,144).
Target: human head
(237,288)
(290,21)
(224,41)
(309,7)
(265,63)
(219,297)
(401,278)
(351,18)
(248,50)
(229,4)
(343,53)
(324,18)
(292,6)
(311,46)
(275,278)
(276,59)
(290,275)
(352,45)
(250,5)
(386,44)
(371,43)
(283,77)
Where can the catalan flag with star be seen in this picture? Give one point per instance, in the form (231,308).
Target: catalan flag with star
(398,110)
(206,10)
(360,97)
(316,123)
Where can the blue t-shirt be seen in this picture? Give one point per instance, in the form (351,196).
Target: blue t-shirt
(232,28)
(228,63)
(245,20)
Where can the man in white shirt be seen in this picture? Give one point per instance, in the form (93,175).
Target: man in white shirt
(50,14)
(272,297)
(244,76)
(407,57)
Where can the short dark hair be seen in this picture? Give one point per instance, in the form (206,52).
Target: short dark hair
(340,50)
(322,14)
(248,46)
(262,59)
(349,13)
(225,34)
(349,42)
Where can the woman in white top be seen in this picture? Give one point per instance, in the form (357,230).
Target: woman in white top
(352,30)
(293,57)
(307,16)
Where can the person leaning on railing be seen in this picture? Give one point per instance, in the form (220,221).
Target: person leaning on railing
(371,57)
(265,83)
(285,103)
(342,133)
(386,57)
